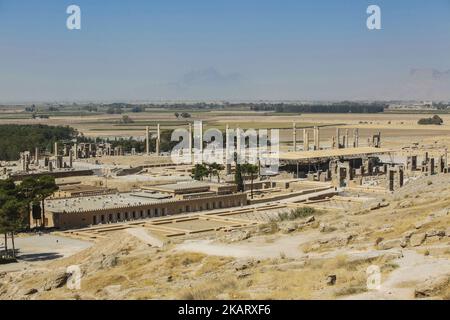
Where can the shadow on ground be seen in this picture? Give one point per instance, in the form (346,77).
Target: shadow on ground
(39,256)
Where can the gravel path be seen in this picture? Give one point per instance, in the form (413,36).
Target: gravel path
(143,235)
(413,268)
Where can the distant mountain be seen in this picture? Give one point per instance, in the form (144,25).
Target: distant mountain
(427,84)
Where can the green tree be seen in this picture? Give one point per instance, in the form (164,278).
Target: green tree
(33,190)
(11,219)
(238,178)
(199,172)
(36,211)
(252,170)
(46,186)
(7,190)
(214,170)
(13,208)
(28,191)
(17,138)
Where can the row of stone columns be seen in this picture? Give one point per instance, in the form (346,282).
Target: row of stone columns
(158,140)
(316,138)
(336,144)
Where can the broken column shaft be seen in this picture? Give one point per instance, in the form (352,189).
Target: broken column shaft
(147,140)
(294,136)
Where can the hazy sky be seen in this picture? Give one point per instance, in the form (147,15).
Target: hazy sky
(224,49)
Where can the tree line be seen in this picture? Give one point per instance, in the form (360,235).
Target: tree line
(17,138)
(16,203)
(139,145)
(338,107)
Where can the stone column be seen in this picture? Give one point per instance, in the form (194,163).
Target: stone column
(346,139)
(227,150)
(36,155)
(306,140)
(294,136)
(190,139)
(400,174)
(431,166)
(65,150)
(147,140)
(55,149)
(413,163)
(23,161)
(70,158)
(198,142)
(238,143)
(158,139)
(441,164)
(201,137)
(59,162)
(316,138)
(338,139)
(355,138)
(445,161)
(390,179)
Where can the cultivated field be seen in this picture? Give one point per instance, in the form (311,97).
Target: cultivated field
(396,129)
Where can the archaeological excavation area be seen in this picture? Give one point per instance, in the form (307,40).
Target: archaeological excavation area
(339,202)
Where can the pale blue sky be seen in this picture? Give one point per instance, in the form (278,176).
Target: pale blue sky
(233,49)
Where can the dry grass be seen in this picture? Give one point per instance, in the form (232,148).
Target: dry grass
(445,294)
(310,281)
(212,264)
(144,273)
(209,290)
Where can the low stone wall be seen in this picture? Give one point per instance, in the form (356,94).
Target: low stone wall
(55,174)
(288,195)
(64,220)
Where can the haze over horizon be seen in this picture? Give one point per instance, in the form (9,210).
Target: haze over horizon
(232,50)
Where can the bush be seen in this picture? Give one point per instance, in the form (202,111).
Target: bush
(296,214)
(126,119)
(4,260)
(436,120)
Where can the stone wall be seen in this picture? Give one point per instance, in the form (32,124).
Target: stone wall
(73,220)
